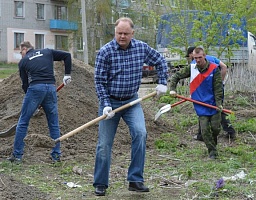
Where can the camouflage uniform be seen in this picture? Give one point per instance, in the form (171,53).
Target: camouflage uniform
(210,125)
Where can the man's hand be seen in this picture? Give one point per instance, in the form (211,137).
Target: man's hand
(66,79)
(173,93)
(219,108)
(161,89)
(108,111)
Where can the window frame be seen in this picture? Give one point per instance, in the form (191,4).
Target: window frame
(42,41)
(60,43)
(16,11)
(17,41)
(59,14)
(42,12)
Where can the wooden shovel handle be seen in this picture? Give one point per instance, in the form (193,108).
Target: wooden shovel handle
(203,104)
(67,135)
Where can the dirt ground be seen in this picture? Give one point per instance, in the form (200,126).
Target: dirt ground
(78,105)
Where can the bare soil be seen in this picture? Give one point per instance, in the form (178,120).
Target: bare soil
(78,104)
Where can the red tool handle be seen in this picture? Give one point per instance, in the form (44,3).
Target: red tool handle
(178,103)
(203,104)
(61,86)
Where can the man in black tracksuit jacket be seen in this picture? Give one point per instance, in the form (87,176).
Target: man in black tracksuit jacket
(38,82)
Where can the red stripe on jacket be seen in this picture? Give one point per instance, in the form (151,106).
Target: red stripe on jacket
(200,78)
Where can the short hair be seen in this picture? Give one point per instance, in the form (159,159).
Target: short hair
(189,51)
(26,44)
(198,50)
(124,19)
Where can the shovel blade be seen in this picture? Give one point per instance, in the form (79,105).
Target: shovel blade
(9,132)
(162,110)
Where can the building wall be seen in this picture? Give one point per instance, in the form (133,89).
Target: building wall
(13,55)
(29,25)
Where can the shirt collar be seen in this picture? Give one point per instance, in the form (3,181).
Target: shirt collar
(205,68)
(117,46)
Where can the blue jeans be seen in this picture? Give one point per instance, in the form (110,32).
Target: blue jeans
(134,118)
(46,96)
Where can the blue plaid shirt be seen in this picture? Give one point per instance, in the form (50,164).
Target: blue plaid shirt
(118,72)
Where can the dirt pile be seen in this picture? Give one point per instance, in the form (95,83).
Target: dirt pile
(78,104)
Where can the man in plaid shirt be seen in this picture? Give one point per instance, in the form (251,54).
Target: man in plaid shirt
(118,74)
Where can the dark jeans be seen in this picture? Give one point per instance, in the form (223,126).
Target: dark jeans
(44,95)
(225,123)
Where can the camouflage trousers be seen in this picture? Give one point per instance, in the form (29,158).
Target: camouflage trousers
(210,129)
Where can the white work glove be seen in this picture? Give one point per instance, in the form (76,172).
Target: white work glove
(173,93)
(66,79)
(161,89)
(108,111)
(225,79)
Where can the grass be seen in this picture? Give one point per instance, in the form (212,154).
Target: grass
(7,69)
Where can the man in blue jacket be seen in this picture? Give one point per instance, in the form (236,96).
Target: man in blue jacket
(38,82)
(205,86)
(225,123)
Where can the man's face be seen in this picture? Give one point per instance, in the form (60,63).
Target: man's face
(199,58)
(123,34)
(23,51)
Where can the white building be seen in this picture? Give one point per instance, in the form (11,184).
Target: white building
(42,22)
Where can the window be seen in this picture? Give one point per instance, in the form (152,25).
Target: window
(61,12)
(80,43)
(61,42)
(19,8)
(39,11)
(144,21)
(18,38)
(39,41)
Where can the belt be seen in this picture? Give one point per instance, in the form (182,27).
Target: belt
(121,98)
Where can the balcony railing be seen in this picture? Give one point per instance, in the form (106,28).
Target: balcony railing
(62,25)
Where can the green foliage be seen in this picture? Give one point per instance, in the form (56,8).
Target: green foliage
(8,65)
(167,141)
(167,99)
(208,30)
(246,125)
(242,101)
(7,69)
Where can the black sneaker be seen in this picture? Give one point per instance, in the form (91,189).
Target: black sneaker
(100,190)
(55,161)
(13,159)
(138,187)
(213,155)
(198,137)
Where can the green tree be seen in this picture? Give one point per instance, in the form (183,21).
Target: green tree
(213,26)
